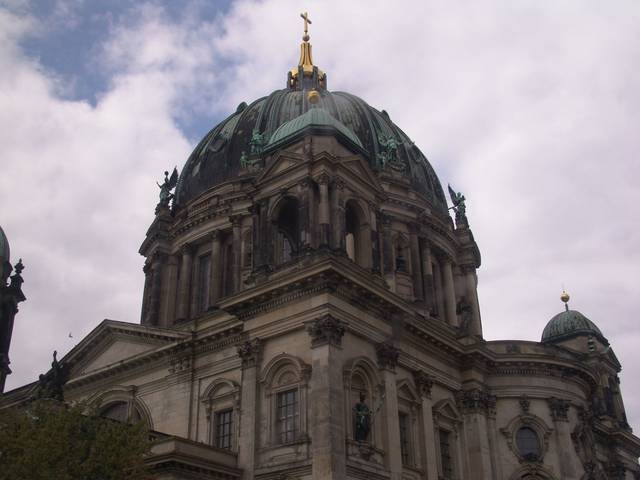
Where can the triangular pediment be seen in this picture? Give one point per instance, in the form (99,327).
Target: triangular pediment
(361,171)
(282,162)
(113,342)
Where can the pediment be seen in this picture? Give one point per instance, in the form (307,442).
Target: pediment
(360,171)
(113,342)
(282,162)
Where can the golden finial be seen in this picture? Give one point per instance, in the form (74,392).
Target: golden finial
(313,96)
(305,65)
(307,22)
(565,298)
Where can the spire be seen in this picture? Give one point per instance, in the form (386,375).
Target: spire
(306,76)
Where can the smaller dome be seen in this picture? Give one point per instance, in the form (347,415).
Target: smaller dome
(316,119)
(568,324)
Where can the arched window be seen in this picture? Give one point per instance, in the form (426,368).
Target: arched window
(287,231)
(401,254)
(221,400)
(357,238)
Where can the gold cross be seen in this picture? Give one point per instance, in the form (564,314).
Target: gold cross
(307,22)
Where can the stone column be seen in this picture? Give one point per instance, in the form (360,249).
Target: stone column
(323,210)
(304,215)
(236,223)
(387,361)
(475,406)
(387,247)
(153,312)
(215,282)
(146,293)
(337,213)
(416,265)
(559,410)
(327,399)
(250,353)
(449,294)
(376,258)
(427,280)
(423,384)
(184,285)
(472,296)
(439,291)
(169,293)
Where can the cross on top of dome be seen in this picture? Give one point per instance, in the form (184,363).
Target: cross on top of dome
(306,76)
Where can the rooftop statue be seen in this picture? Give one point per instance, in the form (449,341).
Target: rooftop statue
(50,384)
(459,206)
(166,187)
(388,155)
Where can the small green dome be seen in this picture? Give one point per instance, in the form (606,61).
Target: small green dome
(317,119)
(568,324)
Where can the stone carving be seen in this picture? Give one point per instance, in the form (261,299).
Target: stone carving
(244,160)
(325,330)
(249,352)
(387,355)
(559,408)
(50,385)
(423,382)
(464,310)
(476,401)
(181,364)
(459,206)
(524,404)
(362,420)
(166,187)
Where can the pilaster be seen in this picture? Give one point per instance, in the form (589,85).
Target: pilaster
(476,405)
(250,353)
(387,355)
(184,284)
(424,384)
(559,410)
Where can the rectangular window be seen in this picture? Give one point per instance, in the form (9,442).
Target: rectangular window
(405,447)
(445,454)
(287,415)
(204,281)
(224,423)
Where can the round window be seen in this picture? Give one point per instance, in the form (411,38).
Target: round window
(528,443)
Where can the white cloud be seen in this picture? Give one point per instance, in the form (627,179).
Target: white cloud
(529,108)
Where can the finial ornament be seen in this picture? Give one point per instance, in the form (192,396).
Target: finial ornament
(565,298)
(307,22)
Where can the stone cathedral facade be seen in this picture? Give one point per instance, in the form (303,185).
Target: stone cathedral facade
(310,311)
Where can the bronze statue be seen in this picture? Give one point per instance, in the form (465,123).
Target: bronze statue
(459,206)
(166,187)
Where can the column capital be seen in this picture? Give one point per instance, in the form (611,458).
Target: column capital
(187,248)
(235,220)
(476,401)
(559,409)
(323,179)
(387,356)
(423,382)
(326,330)
(250,352)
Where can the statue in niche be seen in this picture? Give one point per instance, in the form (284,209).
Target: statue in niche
(244,160)
(362,414)
(166,187)
(464,310)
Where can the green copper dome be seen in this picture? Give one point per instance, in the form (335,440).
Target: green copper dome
(568,324)
(265,124)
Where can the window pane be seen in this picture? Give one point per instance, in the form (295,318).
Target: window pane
(445,454)
(287,413)
(527,443)
(223,424)
(403,419)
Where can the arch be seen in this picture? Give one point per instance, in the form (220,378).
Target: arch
(357,233)
(274,372)
(221,401)
(360,376)
(102,401)
(532,471)
(285,228)
(220,387)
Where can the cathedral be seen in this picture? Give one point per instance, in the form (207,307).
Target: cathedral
(310,311)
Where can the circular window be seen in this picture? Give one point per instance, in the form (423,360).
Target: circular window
(528,443)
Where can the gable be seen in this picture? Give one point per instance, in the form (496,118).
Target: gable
(112,351)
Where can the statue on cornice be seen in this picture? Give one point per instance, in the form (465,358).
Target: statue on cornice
(459,206)
(166,187)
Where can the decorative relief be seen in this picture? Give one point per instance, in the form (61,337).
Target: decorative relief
(387,355)
(249,352)
(326,330)
(524,404)
(476,401)
(423,382)
(559,409)
(177,365)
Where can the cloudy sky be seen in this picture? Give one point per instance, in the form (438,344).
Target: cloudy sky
(530,108)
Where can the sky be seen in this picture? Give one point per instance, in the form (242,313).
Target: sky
(530,108)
